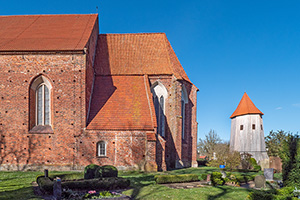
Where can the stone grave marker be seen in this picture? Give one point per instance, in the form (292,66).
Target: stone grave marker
(57,189)
(208,177)
(260,181)
(269,174)
(223,174)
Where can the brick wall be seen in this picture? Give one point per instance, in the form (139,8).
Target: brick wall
(125,149)
(177,152)
(66,74)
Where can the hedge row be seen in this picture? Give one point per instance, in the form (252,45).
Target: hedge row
(176,178)
(95,171)
(111,183)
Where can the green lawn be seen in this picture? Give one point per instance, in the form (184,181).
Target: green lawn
(17,185)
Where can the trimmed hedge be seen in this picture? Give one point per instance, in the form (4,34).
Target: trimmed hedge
(106,171)
(65,177)
(204,177)
(95,171)
(111,183)
(91,171)
(176,178)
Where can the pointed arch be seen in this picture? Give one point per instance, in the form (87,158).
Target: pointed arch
(160,95)
(40,101)
(184,100)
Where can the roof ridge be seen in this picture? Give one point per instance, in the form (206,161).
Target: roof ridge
(36,15)
(148,33)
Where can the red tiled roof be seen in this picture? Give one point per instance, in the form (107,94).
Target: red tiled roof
(137,54)
(45,32)
(246,106)
(121,103)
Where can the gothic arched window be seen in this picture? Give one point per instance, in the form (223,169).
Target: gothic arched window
(184,100)
(159,96)
(42,91)
(43,105)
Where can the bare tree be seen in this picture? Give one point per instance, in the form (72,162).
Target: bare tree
(209,145)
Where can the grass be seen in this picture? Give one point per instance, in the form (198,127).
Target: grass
(144,186)
(17,185)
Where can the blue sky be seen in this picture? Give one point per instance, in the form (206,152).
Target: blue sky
(226,47)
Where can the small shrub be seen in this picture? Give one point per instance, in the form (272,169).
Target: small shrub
(253,162)
(176,178)
(257,168)
(260,195)
(106,171)
(90,171)
(45,184)
(216,179)
(285,191)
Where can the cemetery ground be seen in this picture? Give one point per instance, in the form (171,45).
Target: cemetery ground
(18,185)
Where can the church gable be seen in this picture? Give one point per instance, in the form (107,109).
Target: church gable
(137,54)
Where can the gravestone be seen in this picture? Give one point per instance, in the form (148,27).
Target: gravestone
(223,174)
(57,189)
(269,174)
(208,177)
(260,181)
(46,172)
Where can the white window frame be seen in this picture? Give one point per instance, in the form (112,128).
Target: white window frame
(43,85)
(99,148)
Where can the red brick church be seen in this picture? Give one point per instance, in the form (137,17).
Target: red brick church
(70,96)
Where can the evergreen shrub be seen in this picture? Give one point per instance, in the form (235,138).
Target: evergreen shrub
(260,195)
(176,178)
(106,171)
(216,179)
(45,184)
(90,171)
(204,177)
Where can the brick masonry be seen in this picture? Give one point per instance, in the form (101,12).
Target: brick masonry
(70,145)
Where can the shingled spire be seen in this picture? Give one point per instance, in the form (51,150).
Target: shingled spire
(246,106)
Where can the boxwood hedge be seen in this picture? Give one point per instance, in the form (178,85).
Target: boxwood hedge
(176,178)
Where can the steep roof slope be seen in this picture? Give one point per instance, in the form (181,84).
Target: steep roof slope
(137,54)
(45,32)
(121,103)
(246,106)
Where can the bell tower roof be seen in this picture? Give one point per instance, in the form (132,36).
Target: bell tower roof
(246,106)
